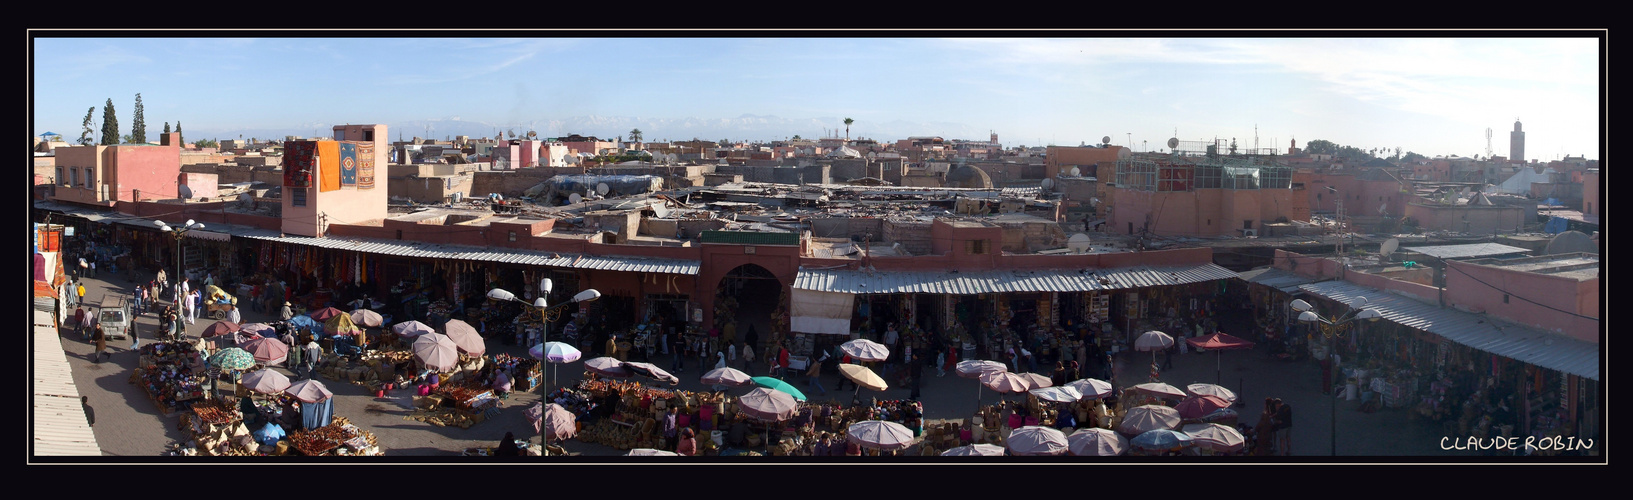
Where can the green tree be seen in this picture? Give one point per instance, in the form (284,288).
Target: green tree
(635,135)
(1320,147)
(86,137)
(110,125)
(166,127)
(1411,157)
(138,127)
(724,143)
(178,133)
(848,123)
(208,143)
(796,137)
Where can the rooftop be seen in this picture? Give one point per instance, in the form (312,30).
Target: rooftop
(1582,266)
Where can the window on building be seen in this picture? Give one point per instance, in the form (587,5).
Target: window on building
(297,197)
(75,174)
(1208,176)
(512,236)
(975,247)
(1276,177)
(60,178)
(368,135)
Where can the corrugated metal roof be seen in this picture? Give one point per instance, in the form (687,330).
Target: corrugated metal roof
(1465,251)
(1277,278)
(1003,281)
(1479,331)
(486,254)
(59,426)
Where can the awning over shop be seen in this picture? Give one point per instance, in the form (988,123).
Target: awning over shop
(209,235)
(400,248)
(1479,331)
(1278,279)
(821,312)
(1004,281)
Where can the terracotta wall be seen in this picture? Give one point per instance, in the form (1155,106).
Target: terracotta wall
(1561,298)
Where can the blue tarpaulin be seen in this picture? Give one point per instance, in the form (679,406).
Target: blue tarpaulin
(1556,225)
(315,415)
(269,435)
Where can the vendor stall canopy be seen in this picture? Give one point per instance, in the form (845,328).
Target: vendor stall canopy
(397,248)
(1004,281)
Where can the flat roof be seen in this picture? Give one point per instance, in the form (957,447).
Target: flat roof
(1465,251)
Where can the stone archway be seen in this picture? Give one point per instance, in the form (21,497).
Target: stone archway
(750,296)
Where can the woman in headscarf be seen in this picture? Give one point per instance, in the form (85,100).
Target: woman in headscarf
(501,384)
(507,447)
(688,444)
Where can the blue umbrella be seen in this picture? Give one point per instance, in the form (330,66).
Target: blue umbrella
(302,321)
(778,385)
(1161,440)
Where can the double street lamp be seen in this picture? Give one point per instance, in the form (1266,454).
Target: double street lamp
(1331,329)
(547,312)
(178,233)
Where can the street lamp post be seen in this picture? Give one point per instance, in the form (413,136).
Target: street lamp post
(1331,329)
(547,312)
(178,233)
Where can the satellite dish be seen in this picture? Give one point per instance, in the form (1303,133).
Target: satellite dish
(1173,143)
(660,210)
(1389,247)
(1105,140)
(1079,243)
(1047,183)
(601,188)
(185,192)
(574,199)
(1075,172)
(1571,242)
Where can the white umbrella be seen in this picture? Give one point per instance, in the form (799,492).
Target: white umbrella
(880,435)
(411,329)
(1159,389)
(729,377)
(649,452)
(1037,441)
(1140,419)
(865,350)
(1211,390)
(555,352)
(1216,437)
(976,368)
(436,351)
(1057,394)
(367,318)
(975,450)
(1153,341)
(1096,442)
(1091,388)
(1005,382)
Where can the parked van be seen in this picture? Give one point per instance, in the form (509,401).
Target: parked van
(114,316)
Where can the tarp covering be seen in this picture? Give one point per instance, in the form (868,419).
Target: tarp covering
(1520,183)
(821,312)
(616,184)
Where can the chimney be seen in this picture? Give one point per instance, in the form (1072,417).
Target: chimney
(170,139)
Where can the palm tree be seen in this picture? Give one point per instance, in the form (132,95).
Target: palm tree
(635,135)
(848,123)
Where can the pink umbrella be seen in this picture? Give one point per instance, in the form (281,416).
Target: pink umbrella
(309,391)
(880,435)
(607,366)
(1160,390)
(553,421)
(436,351)
(1037,441)
(1096,442)
(1006,383)
(464,335)
(768,405)
(323,315)
(1198,406)
(973,368)
(266,381)
(222,327)
(1038,381)
(261,329)
(266,350)
(729,377)
(1140,419)
(1091,388)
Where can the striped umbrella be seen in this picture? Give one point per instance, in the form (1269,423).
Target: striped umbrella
(555,352)
(261,329)
(1160,390)
(649,452)
(1153,341)
(1006,383)
(1038,381)
(1199,406)
(1211,390)
(218,328)
(1057,394)
(651,371)
(768,405)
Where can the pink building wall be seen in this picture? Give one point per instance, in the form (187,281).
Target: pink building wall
(1480,219)
(1203,212)
(201,185)
(1464,287)
(1590,193)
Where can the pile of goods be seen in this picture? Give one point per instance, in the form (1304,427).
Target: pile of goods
(578,402)
(338,438)
(165,370)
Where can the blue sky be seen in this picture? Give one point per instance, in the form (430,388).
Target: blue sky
(1434,96)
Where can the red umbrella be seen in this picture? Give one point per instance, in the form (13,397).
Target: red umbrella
(324,314)
(1219,342)
(1198,406)
(220,328)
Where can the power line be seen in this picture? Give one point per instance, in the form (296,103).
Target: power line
(1506,292)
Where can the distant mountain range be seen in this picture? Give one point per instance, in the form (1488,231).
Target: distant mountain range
(745,127)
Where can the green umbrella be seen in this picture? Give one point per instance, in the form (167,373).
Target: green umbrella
(778,385)
(233,358)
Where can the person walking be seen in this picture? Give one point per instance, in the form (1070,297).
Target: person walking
(79,293)
(677,362)
(748,357)
(782,361)
(671,433)
(135,338)
(79,321)
(1284,426)
(915,369)
(101,339)
(313,354)
(136,301)
(194,305)
(294,360)
(813,376)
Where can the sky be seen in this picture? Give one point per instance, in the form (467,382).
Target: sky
(1433,96)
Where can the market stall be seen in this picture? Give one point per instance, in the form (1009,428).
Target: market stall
(172,373)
